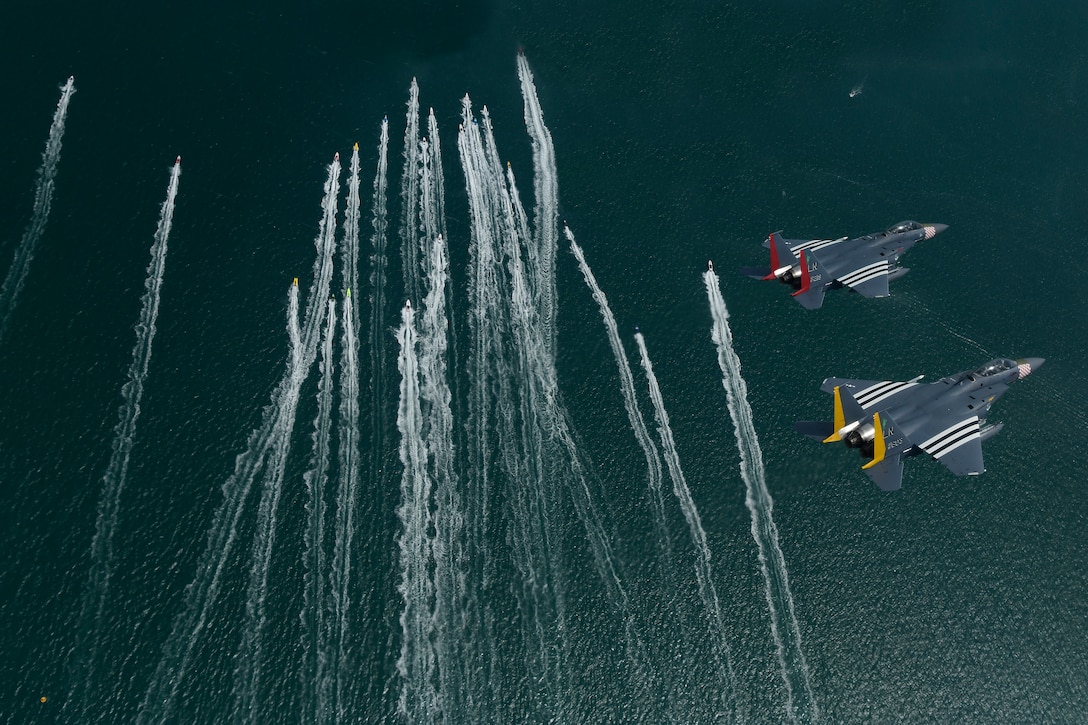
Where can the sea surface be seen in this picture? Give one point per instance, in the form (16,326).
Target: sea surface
(498,526)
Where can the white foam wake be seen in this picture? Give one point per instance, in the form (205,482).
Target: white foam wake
(347,499)
(703,570)
(546,425)
(43,201)
(800,703)
(409,197)
(124,435)
(458,687)
(419,700)
(349,250)
(627,387)
(546,213)
(317,657)
(439,192)
(248,672)
(376,330)
(201,594)
(501,403)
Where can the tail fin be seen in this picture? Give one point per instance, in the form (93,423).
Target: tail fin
(874,433)
(814,280)
(847,411)
(781,255)
(889,444)
(880,446)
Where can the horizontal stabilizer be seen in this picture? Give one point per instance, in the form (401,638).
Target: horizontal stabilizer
(889,444)
(817,430)
(888,474)
(811,299)
(756,272)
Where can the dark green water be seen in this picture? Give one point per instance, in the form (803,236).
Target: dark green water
(683,132)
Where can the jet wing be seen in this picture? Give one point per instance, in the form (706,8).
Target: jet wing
(864,271)
(870,280)
(954,441)
(870,394)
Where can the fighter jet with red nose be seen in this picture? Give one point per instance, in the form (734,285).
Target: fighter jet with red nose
(865,264)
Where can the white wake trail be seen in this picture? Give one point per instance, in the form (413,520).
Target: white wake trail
(521,224)
(43,201)
(451,643)
(800,702)
(91,622)
(349,252)
(376,334)
(505,375)
(378,422)
(249,670)
(439,194)
(409,197)
(703,570)
(540,387)
(315,677)
(419,700)
(347,499)
(201,594)
(428,209)
(546,213)
(627,386)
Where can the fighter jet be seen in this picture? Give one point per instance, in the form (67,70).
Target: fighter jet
(865,264)
(888,421)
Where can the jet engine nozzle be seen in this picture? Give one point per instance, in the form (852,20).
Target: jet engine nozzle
(861,437)
(790,276)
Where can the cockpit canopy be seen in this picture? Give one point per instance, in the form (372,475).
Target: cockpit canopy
(994,367)
(907,226)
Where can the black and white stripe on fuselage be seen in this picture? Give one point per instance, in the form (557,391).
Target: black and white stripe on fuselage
(880,392)
(866,273)
(815,244)
(951,437)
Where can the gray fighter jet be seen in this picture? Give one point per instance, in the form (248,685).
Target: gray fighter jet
(888,421)
(865,264)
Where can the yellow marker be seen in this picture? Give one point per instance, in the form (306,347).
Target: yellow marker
(356,147)
(295,283)
(840,419)
(878,443)
(43,698)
